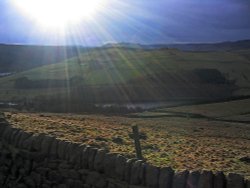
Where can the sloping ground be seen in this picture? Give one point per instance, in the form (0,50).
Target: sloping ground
(216,110)
(180,142)
(16,58)
(167,73)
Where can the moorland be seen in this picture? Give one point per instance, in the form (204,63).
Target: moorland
(194,110)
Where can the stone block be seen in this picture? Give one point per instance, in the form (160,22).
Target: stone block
(128,167)
(7,133)
(235,181)
(91,158)
(180,179)
(109,164)
(206,179)
(165,178)
(219,180)
(95,179)
(193,179)
(46,144)
(152,176)
(38,141)
(76,154)
(62,149)
(120,165)
(53,148)
(247,184)
(137,173)
(84,159)
(99,160)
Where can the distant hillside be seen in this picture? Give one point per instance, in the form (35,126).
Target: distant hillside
(123,75)
(16,58)
(222,46)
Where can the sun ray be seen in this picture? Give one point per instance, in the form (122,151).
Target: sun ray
(59,14)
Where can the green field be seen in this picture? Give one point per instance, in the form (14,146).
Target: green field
(165,69)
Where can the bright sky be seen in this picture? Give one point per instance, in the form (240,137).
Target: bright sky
(95,22)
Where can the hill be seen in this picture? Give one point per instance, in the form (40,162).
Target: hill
(221,46)
(122,75)
(16,58)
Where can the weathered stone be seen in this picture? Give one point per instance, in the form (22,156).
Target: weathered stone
(152,176)
(22,172)
(46,185)
(219,180)
(128,167)
(65,165)
(29,181)
(53,148)
(76,154)
(95,179)
(74,183)
(23,137)
(21,185)
(109,164)
(27,165)
(73,174)
(52,165)
(38,141)
(28,143)
(206,179)
(118,184)
(13,135)
(84,160)
(247,183)
(112,185)
(68,149)
(14,170)
(120,165)
(46,143)
(6,134)
(193,179)
(99,160)
(17,138)
(235,181)
(36,177)
(86,186)
(3,126)
(64,172)
(62,186)
(55,176)
(36,156)
(62,149)
(42,171)
(137,173)
(91,158)
(180,179)
(165,178)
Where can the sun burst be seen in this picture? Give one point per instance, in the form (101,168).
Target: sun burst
(58,14)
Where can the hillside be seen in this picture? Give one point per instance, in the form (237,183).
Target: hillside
(17,58)
(180,137)
(122,75)
(220,46)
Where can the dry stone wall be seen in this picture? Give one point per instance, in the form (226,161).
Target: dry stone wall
(29,160)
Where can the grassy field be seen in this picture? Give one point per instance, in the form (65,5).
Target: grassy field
(114,65)
(213,136)
(110,66)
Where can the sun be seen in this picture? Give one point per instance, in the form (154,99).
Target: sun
(58,14)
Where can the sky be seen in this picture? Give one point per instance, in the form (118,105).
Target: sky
(136,21)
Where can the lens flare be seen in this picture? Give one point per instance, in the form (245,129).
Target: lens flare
(58,14)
